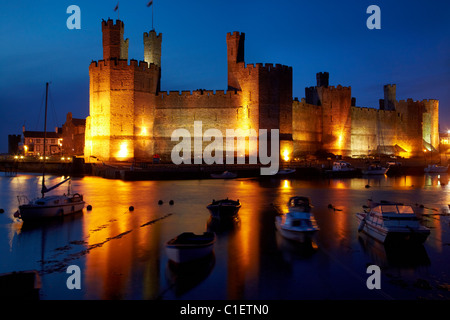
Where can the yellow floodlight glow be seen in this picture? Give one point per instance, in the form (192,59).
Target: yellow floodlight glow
(123,151)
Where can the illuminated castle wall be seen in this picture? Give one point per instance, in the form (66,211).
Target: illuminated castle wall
(328,119)
(131,118)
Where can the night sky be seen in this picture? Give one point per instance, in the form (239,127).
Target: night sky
(412,49)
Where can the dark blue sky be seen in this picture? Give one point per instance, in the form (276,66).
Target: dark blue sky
(412,49)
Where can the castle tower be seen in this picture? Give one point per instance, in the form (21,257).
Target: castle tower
(121,106)
(114,45)
(235,55)
(152,51)
(389,97)
(322,79)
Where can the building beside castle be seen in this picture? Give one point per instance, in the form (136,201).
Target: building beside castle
(130,118)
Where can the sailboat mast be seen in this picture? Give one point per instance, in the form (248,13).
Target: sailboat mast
(45,139)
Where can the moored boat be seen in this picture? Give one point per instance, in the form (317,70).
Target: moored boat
(285,171)
(225,208)
(298,223)
(188,246)
(375,169)
(24,285)
(392,222)
(49,206)
(224,175)
(434,168)
(343,169)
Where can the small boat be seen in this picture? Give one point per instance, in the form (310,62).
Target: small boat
(434,168)
(285,171)
(298,223)
(342,168)
(49,206)
(392,222)
(24,285)
(375,169)
(224,175)
(225,208)
(188,246)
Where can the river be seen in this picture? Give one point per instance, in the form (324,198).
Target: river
(121,253)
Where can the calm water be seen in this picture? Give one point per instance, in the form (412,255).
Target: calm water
(121,252)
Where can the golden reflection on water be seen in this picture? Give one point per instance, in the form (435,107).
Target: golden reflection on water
(125,249)
(117,239)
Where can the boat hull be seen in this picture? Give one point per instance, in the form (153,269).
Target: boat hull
(375,172)
(23,285)
(296,234)
(224,209)
(35,212)
(393,236)
(191,249)
(436,170)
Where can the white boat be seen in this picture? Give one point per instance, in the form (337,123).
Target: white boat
(298,223)
(433,168)
(49,206)
(342,168)
(224,175)
(375,169)
(391,222)
(188,246)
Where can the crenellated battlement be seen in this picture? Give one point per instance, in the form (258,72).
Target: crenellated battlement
(234,34)
(339,88)
(198,93)
(269,67)
(124,64)
(333,88)
(152,34)
(111,24)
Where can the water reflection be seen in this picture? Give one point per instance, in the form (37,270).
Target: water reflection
(391,256)
(184,277)
(121,252)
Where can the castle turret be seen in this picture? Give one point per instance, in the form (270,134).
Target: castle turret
(322,79)
(152,48)
(152,51)
(389,97)
(235,55)
(114,45)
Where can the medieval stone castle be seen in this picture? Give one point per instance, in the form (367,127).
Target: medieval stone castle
(130,118)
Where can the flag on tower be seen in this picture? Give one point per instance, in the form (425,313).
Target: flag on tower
(149,3)
(117,6)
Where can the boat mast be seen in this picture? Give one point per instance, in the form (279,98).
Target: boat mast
(45,138)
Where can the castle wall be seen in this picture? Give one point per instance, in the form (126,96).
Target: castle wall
(130,119)
(306,128)
(216,110)
(373,131)
(336,119)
